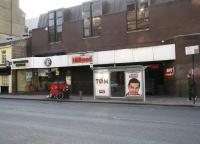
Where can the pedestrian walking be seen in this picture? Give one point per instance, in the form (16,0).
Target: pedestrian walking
(191,87)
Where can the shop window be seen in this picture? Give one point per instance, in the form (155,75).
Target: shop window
(96,23)
(117,84)
(137,14)
(91,12)
(55,21)
(5,80)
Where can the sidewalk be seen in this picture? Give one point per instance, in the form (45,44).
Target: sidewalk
(150,100)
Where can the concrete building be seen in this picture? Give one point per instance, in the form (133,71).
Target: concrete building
(12,20)
(104,33)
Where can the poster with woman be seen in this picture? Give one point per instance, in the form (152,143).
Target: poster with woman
(134,85)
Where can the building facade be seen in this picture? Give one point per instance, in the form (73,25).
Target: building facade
(12,20)
(105,33)
(9,51)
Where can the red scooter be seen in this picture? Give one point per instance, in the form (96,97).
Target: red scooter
(59,90)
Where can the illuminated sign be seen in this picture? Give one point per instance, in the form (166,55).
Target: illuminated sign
(169,72)
(82,59)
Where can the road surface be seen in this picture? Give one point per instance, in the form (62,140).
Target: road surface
(40,122)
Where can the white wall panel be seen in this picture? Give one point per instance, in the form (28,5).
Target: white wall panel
(142,54)
(95,58)
(123,56)
(106,57)
(39,62)
(164,52)
(64,61)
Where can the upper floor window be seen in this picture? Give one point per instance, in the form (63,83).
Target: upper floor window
(5,81)
(91,13)
(55,21)
(137,14)
(3,57)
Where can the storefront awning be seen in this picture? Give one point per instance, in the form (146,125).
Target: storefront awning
(5,70)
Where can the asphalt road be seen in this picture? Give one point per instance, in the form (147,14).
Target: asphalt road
(37,122)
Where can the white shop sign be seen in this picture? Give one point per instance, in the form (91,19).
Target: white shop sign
(190,50)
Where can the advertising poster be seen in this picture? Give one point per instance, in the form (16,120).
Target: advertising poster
(134,85)
(102,83)
(29,76)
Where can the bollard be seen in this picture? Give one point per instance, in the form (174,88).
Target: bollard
(80,94)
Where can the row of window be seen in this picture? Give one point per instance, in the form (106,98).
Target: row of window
(3,61)
(137,17)
(3,57)
(55,21)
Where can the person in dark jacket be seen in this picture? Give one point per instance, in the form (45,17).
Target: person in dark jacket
(191,87)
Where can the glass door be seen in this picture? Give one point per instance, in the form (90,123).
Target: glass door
(117,84)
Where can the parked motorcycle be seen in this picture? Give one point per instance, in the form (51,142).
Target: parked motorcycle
(59,90)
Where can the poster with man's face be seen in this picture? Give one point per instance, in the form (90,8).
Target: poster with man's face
(134,83)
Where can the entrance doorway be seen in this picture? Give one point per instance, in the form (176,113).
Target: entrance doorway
(117,84)
(4,89)
(154,76)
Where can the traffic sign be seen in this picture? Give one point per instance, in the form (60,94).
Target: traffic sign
(190,50)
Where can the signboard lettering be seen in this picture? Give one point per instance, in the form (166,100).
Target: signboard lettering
(169,71)
(82,59)
(102,84)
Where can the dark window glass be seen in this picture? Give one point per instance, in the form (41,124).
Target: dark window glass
(87,22)
(91,12)
(59,21)
(96,8)
(59,29)
(137,15)
(131,25)
(96,26)
(51,22)
(55,26)
(51,15)
(86,10)
(87,32)
(131,7)
(59,14)
(51,37)
(59,37)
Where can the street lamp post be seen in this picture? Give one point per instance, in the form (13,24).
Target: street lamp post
(193,67)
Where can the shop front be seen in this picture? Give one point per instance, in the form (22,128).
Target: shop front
(120,82)
(148,65)
(35,74)
(81,73)
(5,79)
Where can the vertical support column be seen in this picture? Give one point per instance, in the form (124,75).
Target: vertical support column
(14,81)
(144,91)
(193,67)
